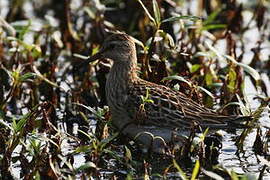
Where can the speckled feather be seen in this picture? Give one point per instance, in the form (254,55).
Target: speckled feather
(169,109)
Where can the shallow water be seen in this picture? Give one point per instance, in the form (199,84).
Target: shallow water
(247,162)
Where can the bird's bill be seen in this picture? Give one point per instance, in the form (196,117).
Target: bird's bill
(95,57)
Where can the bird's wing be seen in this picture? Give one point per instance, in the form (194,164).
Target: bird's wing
(152,104)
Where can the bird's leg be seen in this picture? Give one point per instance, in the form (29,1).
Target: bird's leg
(153,138)
(149,137)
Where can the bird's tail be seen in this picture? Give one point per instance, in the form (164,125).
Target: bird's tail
(239,122)
(227,122)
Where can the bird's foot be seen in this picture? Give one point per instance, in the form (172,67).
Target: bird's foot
(153,139)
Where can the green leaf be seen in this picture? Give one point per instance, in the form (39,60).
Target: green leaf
(129,177)
(234,176)
(213,26)
(232,80)
(37,175)
(203,54)
(27,76)
(244,109)
(104,142)
(167,37)
(25,29)
(212,17)
(92,110)
(176,18)
(87,135)
(156,12)
(204,134)
(195,170)
(128,154)
(252,72)
(90,12)
(82,149)
(86,166)
(209,79)
(36,51)
(194,68)
(18,126)
(35,145)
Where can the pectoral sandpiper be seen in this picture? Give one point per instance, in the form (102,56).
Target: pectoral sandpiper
(163,112)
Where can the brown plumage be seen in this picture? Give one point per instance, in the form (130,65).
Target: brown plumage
(166,110)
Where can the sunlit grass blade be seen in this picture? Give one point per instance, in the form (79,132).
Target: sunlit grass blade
(180,171)
(156,12)
(92,110)
(17,126)
(5,124)
(39,75)
(206,92)
(195,170)
(252,124)
(234,176)
(242,107)
(176,18)
(213,26)
(81,56)
(252,72)
(176,77)
(215,51)
(167,37)
(6,26)
(128,154)
(212,174)
(147,12)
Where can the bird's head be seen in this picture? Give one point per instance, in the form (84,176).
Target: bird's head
(118,47)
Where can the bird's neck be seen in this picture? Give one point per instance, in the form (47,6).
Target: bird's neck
(121,76)
(124,71)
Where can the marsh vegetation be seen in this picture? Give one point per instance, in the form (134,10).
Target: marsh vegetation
(54,119)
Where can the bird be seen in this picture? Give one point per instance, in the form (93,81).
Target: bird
(151,113)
